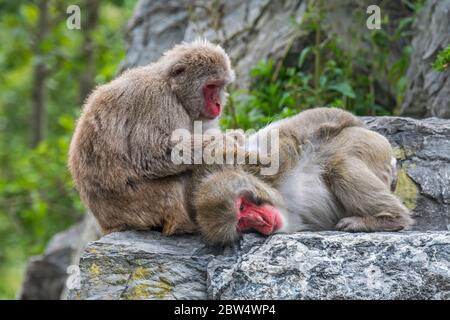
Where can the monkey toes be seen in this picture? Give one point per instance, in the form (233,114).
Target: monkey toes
(372,224)
(352,224)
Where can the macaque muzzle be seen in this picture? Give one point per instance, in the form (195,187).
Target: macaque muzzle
(213,103)
(263,218)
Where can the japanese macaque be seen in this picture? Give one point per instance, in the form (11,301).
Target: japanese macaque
(120,154)
(334,175)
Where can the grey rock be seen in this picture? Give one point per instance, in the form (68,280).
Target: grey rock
(422,149)
(45,275)
(144,265)
(428,91)
(249,30)
(331,265)
(155,27)
(324,265)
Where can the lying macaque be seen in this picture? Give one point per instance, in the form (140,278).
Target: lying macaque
(334,174)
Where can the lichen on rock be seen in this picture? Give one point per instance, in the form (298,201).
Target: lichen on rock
(406,189)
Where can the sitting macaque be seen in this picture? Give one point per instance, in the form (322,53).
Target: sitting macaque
(334,174)
(120,153)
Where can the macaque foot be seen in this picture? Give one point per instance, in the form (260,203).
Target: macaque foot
(383,222)
(352,224)
(174,226)
(109,230)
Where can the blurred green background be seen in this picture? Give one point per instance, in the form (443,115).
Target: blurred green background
(46,71)
(47,62)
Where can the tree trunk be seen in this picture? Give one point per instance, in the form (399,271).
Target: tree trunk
(39,76)
(87,80)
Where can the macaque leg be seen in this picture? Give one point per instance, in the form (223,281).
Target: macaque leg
(178,223)
(365,198)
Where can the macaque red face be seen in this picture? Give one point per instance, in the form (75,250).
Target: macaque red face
(212,94)
(263,218)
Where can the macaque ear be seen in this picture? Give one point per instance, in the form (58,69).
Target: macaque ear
(177,69)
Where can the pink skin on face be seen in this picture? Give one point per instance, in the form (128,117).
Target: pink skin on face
(213,105)
(264,219)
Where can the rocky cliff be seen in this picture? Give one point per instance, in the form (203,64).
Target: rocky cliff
(251,30)
(255,30)
(428,91)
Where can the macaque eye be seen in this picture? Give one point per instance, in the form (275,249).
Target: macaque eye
(241,207)
(258,201)
(211,86)
(178,69)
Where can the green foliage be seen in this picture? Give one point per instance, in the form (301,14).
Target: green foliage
(325,74)
(37,195)
(37,191)
(443,60)
(37,199)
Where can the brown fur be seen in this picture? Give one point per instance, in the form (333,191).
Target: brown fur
(120,152)
(356,169)
(359,173)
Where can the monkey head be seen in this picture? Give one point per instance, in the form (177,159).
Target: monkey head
(229,203)
(198,73)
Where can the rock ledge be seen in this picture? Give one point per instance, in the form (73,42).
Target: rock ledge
(324,265)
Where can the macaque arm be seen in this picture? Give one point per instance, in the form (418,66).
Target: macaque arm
(155,160)
(161,158)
